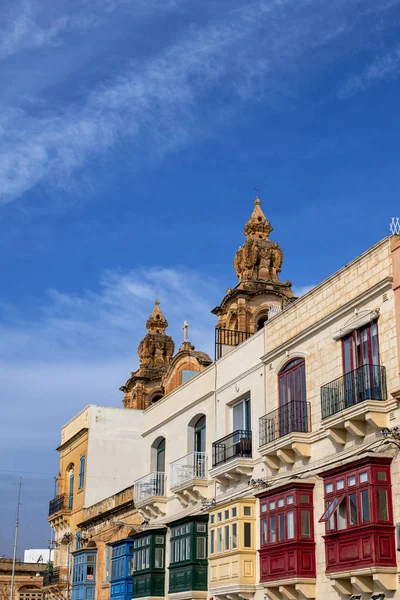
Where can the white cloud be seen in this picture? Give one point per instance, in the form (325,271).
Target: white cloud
(383,68)
(251,51)
(300,290)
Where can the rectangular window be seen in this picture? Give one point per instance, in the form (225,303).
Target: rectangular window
(272,530)
(212,543)
(234,512)
(290,525)
(364,506)
(226,514)
(352,509)
(234,535)
(201,548)
(219,539)
(264,531)
(281,527)
(247,535)
(381,475)
(382,506)
(226,537)
(305,524)
(81,472)
(342,515)
(188,548)
(332,506)
(247,511)
(158,558)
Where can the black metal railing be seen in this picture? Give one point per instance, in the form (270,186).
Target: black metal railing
(59,503)
(365,383)
(235,444)
(51,577)
(228,337)
(291,417)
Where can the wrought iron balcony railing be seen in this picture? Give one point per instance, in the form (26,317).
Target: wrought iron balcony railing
(191,466)
(226,339)
(365,383)
(53,577)
(153,484)
(60,503)
(289,418)
(235,444)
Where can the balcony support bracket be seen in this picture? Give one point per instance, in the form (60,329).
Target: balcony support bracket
(338,436)
(376,419)
(302,449)
(272,461)
(386,581)
(306,590)
(363,584)
(286,455)
(356,428)
(288,592)
(343,586)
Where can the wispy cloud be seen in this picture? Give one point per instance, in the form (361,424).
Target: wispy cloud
(253,50)
(20,29)
(383,68)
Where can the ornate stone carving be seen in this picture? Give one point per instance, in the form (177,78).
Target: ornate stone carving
(258,259)
(257,264)
(155,352)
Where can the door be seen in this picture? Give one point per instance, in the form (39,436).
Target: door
(160,466)
(199,448)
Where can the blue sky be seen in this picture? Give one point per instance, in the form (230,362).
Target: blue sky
(132,135)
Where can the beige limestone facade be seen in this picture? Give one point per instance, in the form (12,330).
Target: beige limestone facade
(28,581)
(288,441)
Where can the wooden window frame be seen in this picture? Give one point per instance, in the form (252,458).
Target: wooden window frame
(272,507)
(340,493)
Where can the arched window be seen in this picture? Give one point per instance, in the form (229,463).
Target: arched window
(292,397)
(200,435)
(30,592)
(160,463)
(156,398)
(261,321)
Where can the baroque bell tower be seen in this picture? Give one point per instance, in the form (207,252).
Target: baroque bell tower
(144,387)
(259,293)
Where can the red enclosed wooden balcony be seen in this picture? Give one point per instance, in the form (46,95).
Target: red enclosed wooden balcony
(287,552)
(360,534)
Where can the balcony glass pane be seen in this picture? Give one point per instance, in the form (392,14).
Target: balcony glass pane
(247,535)
(342,514)
(281,521)
(364,506)
(264,531)
(352,509)
(158,558)
(272,530)
(201,548)
(234,535)
(305,524)
(290,525)
(382,506)
(226,537)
